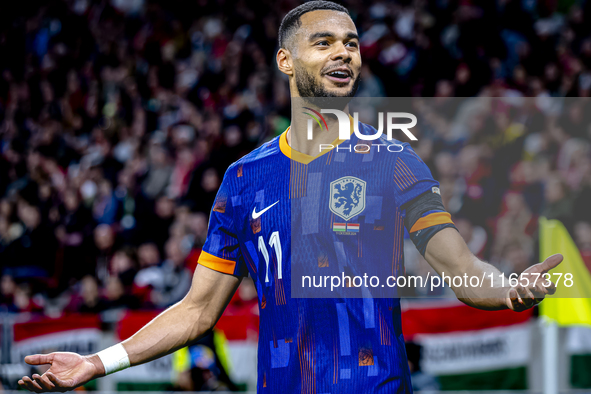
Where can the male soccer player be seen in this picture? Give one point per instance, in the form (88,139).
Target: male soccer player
(274,204)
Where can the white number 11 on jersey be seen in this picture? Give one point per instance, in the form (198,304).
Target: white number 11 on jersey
(275,243)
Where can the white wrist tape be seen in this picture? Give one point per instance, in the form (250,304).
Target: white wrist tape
(114,358)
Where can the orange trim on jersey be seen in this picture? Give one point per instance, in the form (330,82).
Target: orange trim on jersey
(217,264)
(432,219)
(302,157)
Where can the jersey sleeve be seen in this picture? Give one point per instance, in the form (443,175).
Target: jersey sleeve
(221,251)
(417,193)
(412,177)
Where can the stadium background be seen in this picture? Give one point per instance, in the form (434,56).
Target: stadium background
(119,118)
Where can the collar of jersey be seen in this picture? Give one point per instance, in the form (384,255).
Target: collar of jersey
(302,157)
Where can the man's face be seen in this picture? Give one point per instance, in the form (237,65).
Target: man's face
(327,61)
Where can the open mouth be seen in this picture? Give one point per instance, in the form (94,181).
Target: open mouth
(340,75)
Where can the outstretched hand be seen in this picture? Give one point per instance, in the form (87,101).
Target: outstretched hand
(67,371)
(523,297)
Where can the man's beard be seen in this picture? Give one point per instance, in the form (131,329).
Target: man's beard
(315,93)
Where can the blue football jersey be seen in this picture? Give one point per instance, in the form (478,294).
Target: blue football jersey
(281,214)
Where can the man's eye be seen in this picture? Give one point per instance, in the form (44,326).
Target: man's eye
(322,43)
(352,44)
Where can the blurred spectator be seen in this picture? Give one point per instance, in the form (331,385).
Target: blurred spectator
(181,173)
(104,239)
(202,188)
(514,228)
(475,173)
(32,254)
(154,226)
(22,300)
(148,256)
(91,302)
(123,268)
(117,296)
(7,291)
(149,272)
(474,236)
(158,171)
(168,282)
(513,258)
(72,231)
(559,203)
(105,204)
(582,237)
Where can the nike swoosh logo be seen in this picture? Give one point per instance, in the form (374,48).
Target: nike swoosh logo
(256,214)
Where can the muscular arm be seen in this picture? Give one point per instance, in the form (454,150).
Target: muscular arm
(187,320)
(176,327)
(448,253)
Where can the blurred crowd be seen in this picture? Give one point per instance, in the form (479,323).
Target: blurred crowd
(118,119)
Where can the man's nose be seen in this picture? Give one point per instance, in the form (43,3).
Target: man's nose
(340,52)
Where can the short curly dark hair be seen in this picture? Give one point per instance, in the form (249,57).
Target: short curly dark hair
(291,22)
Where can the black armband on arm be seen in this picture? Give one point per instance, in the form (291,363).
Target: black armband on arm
(416,207)
(422,237)
(425,216)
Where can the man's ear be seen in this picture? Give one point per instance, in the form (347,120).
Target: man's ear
(285,61)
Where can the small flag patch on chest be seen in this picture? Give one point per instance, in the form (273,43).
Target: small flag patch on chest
(339,227)
(353,227)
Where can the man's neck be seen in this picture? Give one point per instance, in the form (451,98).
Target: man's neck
(325,128)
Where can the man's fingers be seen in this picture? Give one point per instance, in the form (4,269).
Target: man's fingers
(60,384)
(551,262)
(551,289)
(526,296)
(539,292)
(544,287)
(521,299)
(515,300)
(55,380)
(38,359)
(31,385)
(43,382)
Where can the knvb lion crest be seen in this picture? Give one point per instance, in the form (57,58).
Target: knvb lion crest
(347,197)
